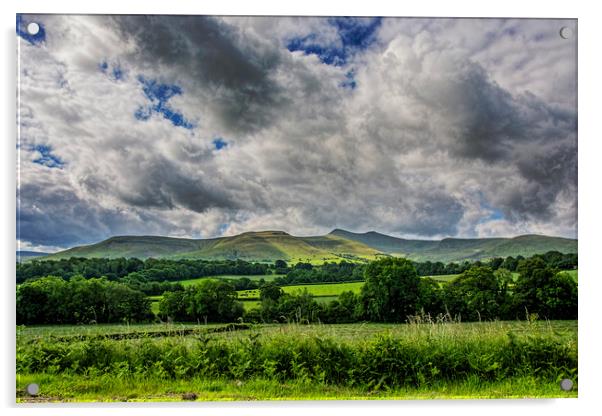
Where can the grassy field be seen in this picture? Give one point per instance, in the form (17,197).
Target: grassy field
(266,277)
(317,290)
(105,388)
(296,362)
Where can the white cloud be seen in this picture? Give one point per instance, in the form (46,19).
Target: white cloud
(438,136)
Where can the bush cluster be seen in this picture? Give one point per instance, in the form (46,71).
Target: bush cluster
(382,361)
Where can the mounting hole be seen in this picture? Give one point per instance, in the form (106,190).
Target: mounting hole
(32,389)
(566,384)
(33,28)
(566,32)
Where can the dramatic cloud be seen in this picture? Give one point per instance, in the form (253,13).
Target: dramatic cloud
(202,126)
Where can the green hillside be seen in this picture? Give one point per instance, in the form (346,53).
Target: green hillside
(252,246)
(458,249)
(268,246)
(134,246)
(260,246)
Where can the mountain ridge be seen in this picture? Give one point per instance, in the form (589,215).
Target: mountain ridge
(271,245)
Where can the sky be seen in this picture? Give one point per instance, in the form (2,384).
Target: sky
(203,126)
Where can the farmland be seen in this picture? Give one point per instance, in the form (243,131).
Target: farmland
(322,292)
(305,332)
(267,278)
(259,362)
(317,290)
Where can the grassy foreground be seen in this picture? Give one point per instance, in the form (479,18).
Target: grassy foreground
(298,362)
(106,388)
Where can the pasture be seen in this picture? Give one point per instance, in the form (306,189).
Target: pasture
(265,277)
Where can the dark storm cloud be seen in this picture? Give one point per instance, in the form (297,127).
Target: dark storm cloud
(161,184)
(209,53)
(548,173)
(435,214)
(489,118)
(53,216)
(524,132)
(50,215)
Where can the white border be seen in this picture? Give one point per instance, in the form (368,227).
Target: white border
(589,195)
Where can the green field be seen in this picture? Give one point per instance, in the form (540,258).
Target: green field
(295,362)
(266,277)
(250,298)
(322,292)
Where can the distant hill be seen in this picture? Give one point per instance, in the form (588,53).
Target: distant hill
(457,249)
(26,255)
(251,246)
(335,246)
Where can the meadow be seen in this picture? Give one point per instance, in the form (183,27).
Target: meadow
(295,362)
(267,278)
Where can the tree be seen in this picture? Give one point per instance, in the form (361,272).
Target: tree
(430,297)
(280,264)
(542,290)
(270,291)
(475,295)
(391,291)
(209,301)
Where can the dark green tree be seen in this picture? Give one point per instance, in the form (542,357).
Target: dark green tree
(475,295)
(542,290)
(280,264)
(271,292)
(391,291)
(209,301)
(430,297)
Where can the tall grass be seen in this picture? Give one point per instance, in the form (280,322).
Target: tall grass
(421,355)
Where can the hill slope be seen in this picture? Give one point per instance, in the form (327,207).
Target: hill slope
(251,246)
(457,249)
(338,245)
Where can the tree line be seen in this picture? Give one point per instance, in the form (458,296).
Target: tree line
(393,291)
(142,274)
(148,270)
(53,300)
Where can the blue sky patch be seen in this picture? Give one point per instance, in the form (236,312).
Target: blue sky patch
(36,39)
(113,71)
(46,157)
(349,82)
(355,34)
(117,72)
(159,94)
(496,214)
(219,143)
(223,227)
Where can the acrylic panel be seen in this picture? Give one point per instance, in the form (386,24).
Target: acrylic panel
(302,208)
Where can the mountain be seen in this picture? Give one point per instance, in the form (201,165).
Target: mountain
(252,246)
(24,255)
(457,249)
(338,245)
